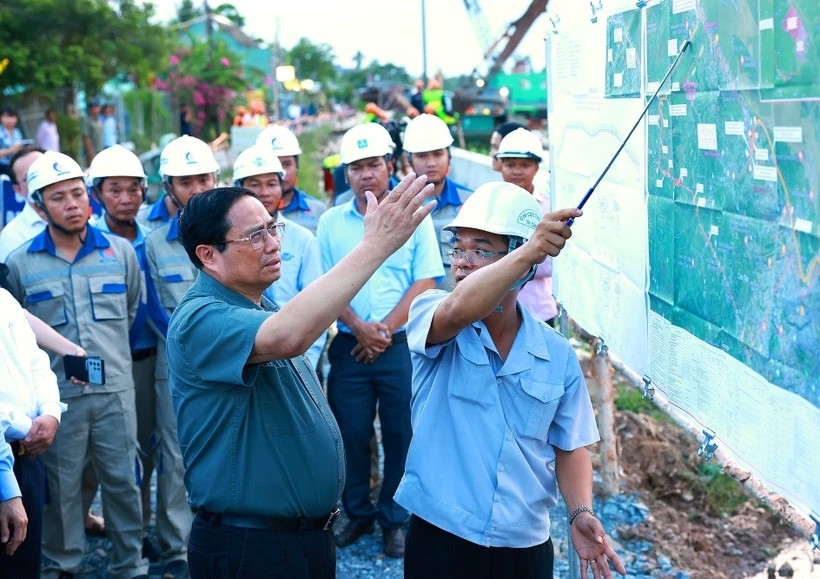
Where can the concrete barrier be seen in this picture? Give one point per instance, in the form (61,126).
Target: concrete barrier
(474,169)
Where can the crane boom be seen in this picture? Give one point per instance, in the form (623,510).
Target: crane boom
(513,36)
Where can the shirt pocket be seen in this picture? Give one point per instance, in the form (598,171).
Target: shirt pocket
(109,300)
(174,282)
(535,407)
(473,379)
(286,407)
(47,302)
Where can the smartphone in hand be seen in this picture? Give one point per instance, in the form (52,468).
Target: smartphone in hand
(90,369)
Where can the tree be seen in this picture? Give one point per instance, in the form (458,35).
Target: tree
(187,11)
(230,12)
(52,45)
(208,76)
(313,61)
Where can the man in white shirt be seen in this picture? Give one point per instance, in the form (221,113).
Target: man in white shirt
(48,137)
(30,404)
(27,224)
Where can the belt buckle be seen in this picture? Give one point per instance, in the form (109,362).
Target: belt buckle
(334,514)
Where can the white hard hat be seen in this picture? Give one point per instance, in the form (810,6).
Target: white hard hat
(426,133)
(281,139)
(185,156)
(256,160)
(364,141)
(115,161)
(521,144)
(500,208)
(52,167)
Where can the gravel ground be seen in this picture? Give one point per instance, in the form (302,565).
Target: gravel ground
(365,560)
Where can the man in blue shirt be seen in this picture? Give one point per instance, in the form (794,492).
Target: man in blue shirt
(86,284)
(296,205)
(500,408)
(118,182)
(263,454)
(258,168)
(427,141)
(369,360)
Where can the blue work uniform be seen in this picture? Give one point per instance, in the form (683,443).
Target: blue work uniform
(156,434)
(91,300)
(481,463)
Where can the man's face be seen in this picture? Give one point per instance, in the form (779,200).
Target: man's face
(94,111)
(520,172)
(267,188)
(121,197)
(20,169)
(291,173)
(434,164)
(187,186)
(370,174)
(468,240)
(495,142)
(67,204)
(240,266)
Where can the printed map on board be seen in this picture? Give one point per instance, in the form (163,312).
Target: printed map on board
(733,174)
(623,54)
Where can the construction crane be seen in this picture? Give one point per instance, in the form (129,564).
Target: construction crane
(496,53)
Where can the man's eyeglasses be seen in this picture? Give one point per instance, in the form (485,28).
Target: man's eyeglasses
(472,256)
(258,238)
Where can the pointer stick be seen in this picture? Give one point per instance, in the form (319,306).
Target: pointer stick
(632,130)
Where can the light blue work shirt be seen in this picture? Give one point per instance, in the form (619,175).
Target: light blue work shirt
(481,461)
(301,265)
(9,488)
(255,438)
(341,228)
(140,336)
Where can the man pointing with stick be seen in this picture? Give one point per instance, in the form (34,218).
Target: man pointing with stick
(500,409)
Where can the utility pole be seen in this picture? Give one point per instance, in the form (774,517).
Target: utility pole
(275,64)
(424,42)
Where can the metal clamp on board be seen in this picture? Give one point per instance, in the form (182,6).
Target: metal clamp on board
(595,10)
(707,448)
(641,3)
(648,389)
(814,540)
(601,349)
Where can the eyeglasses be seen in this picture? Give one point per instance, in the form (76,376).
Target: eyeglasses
(472,256)
(258,238)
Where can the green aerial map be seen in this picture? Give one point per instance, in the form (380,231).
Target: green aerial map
(623,54)
(733,176)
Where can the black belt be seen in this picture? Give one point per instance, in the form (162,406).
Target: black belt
(137,355)
(287,524)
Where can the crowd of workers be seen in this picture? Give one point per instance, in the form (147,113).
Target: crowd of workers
(211,308)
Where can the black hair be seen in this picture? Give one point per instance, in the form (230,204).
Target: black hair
(204,221)
(505,129)
(16,156)
(10,111)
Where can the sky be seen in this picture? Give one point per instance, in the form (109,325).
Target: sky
(388,31)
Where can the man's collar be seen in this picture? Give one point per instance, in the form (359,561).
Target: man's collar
(297,202)
(94,239)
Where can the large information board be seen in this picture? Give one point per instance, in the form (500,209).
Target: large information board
(697,257)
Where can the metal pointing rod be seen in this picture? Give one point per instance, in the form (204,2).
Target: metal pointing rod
(683,48)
